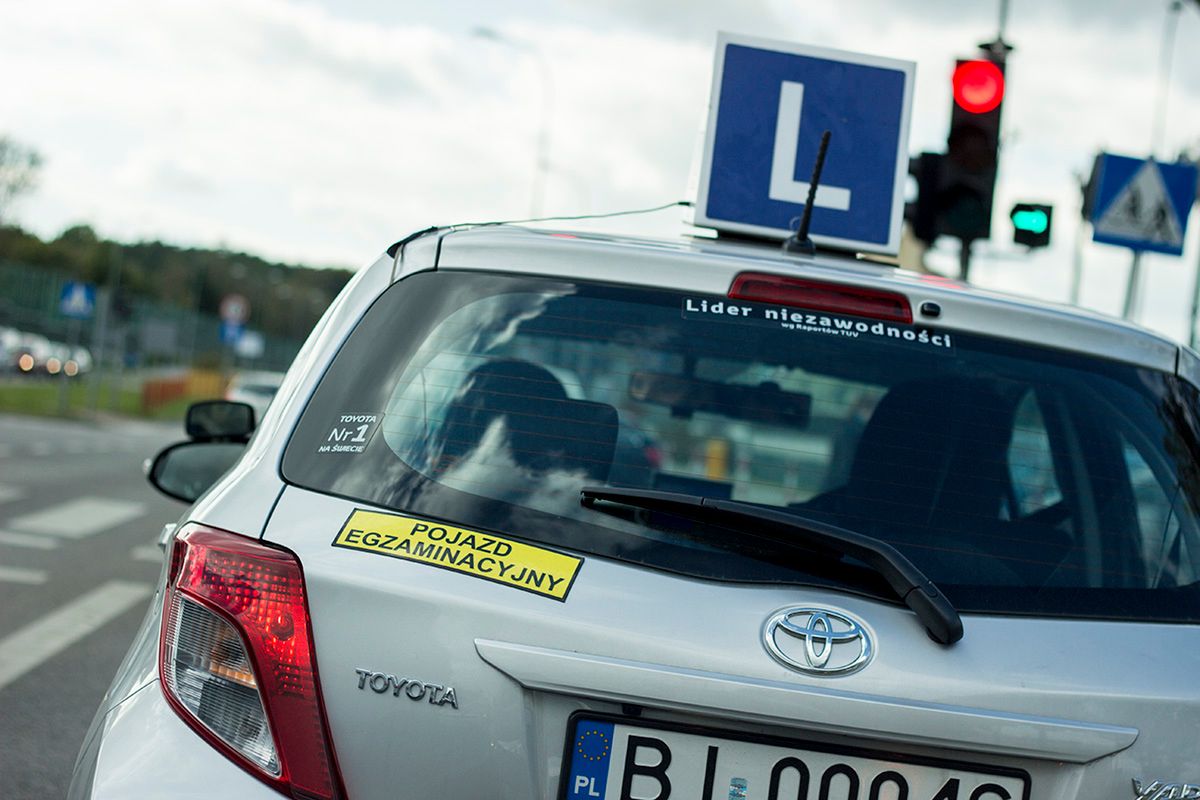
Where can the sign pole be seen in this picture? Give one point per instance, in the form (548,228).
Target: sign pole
(103,320)
(1085,213)
(1195,308)
(1135,270)
(63,378)
(1077,264)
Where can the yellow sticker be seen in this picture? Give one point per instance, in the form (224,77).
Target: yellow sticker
(516,564)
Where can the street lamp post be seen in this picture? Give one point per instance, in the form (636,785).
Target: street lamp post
(541,165)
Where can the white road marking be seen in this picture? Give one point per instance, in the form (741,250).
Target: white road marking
(26,540)
(148,552)
(76,519)
(33,577)
(8,493)
(28,647)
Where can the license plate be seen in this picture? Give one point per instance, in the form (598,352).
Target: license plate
(621,759)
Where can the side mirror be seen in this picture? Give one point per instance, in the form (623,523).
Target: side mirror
(219,420)
(186,470)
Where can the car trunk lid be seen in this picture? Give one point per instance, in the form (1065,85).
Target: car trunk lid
(446,683)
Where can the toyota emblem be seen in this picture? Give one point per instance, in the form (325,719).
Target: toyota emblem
(817,641)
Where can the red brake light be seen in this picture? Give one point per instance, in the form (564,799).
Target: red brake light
(835,298)
(235,631)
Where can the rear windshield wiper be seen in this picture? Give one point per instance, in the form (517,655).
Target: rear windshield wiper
(911,585)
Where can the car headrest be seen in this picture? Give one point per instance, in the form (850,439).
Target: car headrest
(935,445)
(545,429)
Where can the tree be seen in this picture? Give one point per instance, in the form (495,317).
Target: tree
(19,166)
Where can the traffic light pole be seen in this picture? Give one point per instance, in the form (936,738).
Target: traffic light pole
(964,260)
(1003,20)
(1166,55)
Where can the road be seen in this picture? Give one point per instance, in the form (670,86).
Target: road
(78,563)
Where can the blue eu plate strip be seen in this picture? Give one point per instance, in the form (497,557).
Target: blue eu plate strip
(591,751)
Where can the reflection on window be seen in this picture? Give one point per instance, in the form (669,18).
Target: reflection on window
(1030,461)
(741,429)
(1164,549)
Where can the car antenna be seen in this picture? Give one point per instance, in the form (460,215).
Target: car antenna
(799,242)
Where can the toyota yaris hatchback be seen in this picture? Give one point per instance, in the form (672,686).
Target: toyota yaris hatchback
(566,517)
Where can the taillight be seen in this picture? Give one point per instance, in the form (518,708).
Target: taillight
(237,663)
(835,298)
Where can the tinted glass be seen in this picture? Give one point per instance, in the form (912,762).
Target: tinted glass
(215,419)
(1021,479)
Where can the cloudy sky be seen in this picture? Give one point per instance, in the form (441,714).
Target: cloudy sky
(319,132)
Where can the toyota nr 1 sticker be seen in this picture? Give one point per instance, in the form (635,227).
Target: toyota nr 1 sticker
(350,433)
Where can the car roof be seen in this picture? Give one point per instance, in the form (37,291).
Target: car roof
(709,265)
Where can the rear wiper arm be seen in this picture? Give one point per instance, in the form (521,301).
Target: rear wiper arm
(911,585)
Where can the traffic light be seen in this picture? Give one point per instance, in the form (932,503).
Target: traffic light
(972,149)
(1031,224)
(955,188)
(978,86)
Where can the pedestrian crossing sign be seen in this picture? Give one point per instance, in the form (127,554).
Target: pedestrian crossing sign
(1142,204)
(77,300)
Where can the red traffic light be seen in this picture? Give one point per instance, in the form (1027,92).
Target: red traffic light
(978,86)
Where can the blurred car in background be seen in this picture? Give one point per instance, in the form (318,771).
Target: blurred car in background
(32,353)
(10,341)
(254,388)
(35,355)
(80,362)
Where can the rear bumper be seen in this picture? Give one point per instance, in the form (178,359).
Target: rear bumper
(141,749)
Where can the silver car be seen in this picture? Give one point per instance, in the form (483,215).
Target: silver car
(899,538)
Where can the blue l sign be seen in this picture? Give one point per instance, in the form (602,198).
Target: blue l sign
(771,102)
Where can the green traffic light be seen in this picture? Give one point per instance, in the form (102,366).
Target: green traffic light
(1033,220)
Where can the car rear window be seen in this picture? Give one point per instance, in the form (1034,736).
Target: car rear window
(1020,478)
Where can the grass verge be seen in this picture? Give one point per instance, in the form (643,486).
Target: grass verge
(43,398)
